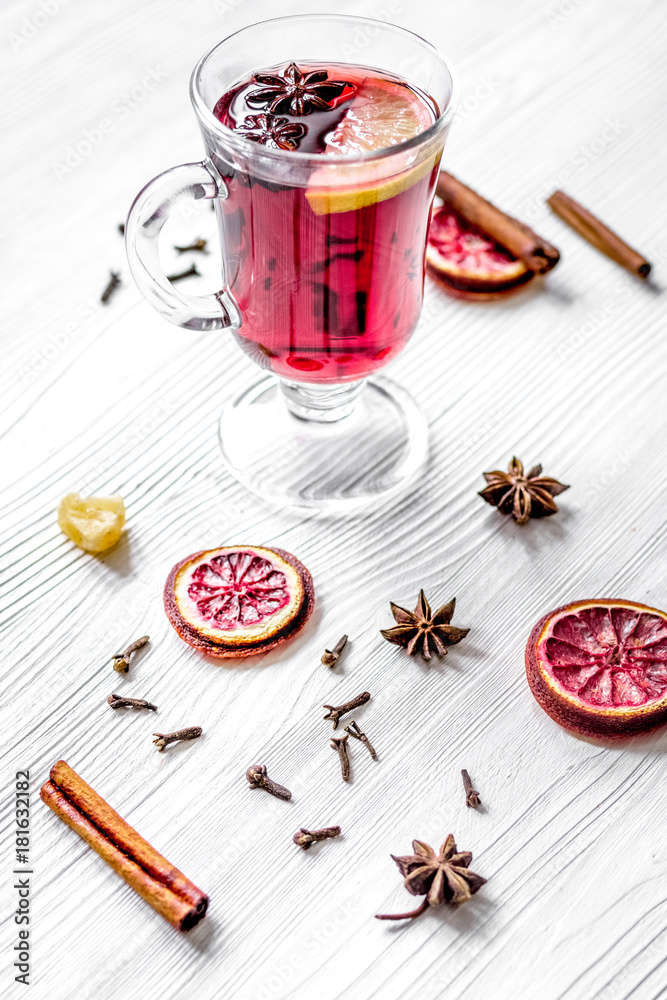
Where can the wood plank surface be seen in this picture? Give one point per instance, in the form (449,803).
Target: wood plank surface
(572,833)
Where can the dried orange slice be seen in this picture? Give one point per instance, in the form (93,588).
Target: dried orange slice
(238,600)
(599,668)
(469,262)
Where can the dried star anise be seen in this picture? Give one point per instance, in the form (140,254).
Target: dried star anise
(441,878)
(523,495)
(276,133)
(418,629)
(294,93)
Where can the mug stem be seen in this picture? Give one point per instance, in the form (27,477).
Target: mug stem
(321,403)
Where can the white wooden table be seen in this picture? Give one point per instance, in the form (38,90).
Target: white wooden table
(103,399)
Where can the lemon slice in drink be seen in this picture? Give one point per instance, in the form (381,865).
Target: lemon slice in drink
(382,114)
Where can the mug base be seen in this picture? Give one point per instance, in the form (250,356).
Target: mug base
(292,456)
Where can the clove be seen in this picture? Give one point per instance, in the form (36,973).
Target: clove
(258,778)
(472,796)
(191,272)
(117,701)
(164,739)
(353,730)
(304,838)
(121,661)
(197,245)
(336,712)
(114,282)
(330,656)
(339,743)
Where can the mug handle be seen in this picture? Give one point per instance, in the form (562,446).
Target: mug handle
(148,214)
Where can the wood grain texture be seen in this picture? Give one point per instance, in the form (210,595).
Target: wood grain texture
(571,835)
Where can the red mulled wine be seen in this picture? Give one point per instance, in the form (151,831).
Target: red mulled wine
(328,273)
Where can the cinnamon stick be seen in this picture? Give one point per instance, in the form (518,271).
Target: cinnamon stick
(538,255)
(597,234)
(157,881)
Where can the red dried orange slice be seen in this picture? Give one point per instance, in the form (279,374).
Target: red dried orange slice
(599,668)
(469,263)
(238,600)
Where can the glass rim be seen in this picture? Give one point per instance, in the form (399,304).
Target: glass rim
(223,131)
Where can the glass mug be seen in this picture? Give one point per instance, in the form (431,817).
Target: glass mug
(322,262)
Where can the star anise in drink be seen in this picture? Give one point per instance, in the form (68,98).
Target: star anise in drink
(523,495)
(441,878)
(295,93)
(419,630)
(268,130)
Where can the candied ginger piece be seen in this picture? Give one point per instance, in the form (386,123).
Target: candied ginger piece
(94,524)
